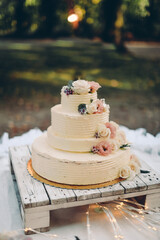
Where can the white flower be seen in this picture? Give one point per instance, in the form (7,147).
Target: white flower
(125,172)
(106,107)
(63,89)
(103,131)
(121,138)
(92,107)
(114,146)
(134,167)
(81,87)
(135,159)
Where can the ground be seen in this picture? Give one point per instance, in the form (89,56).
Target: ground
(33,72)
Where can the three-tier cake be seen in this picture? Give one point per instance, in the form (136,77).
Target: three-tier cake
(82,147)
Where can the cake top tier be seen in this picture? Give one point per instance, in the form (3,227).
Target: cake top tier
(79,94)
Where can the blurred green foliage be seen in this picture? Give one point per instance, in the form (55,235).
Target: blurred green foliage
(29,68)
(138,19)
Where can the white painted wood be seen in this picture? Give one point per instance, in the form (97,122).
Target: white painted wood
(91,201)
(59,195)
(152,200)
(32,192)
(82,195)
(151,179)
(135,185)
(36,220)
(115,189)
(38,199)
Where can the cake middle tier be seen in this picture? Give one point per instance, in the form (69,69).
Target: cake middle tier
(71,144)
(76,125)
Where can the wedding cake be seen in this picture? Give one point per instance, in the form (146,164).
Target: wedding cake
(82,147)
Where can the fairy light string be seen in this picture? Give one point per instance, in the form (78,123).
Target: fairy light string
(116,228)
(89,234)
(132,211)
(140,214)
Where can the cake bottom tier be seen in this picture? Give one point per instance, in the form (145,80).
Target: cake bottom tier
(76,168)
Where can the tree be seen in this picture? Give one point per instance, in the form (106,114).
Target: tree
(48,17)
(21,18)
(112,20)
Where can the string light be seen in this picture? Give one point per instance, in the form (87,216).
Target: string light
(88,224)
(116,228)
(130,210)
(136,212)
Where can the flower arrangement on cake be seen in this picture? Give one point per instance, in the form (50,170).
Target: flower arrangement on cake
(81,137)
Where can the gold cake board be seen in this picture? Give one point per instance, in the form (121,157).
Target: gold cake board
(36,176)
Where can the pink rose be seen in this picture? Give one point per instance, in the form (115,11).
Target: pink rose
(103,148)
(100,106)
(112,129)
(94,86)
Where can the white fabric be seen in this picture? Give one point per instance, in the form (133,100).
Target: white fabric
(71,222)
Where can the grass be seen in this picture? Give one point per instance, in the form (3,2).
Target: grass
(26,68)
(32,74)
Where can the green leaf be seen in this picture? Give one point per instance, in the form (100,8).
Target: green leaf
(122,147)
(98,209)
(144,171)
(70,84)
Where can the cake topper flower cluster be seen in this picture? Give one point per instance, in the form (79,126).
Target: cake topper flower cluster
(80,87)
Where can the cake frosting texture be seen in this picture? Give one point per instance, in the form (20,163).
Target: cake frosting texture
(73,168)
(82,147)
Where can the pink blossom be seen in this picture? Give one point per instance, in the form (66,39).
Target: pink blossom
(100,106)
(112,129)
(103,148)
(94,86)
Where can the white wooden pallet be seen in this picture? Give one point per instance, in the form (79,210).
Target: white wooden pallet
(38,199)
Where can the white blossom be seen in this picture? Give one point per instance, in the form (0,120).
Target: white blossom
(103,131)
(125,172)
(92,107)
(81,87)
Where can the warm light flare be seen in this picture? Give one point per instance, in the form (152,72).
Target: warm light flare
(72,18)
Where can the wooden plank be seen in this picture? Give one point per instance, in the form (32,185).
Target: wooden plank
(59,195)
(134,185)
(40,219)
(112,190)
(151,179)
(152,200)
(31,191)
(91,201)
(82,195)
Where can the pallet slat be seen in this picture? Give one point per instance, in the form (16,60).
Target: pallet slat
(115,189)
(87,194)
(32,192)
(151,179)
(59,195)
(135,185)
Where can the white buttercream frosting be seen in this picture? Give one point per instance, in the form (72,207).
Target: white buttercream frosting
(71,102)
(76,168)
(75,125)
(71,144)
